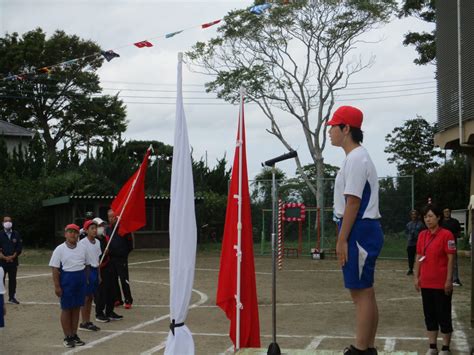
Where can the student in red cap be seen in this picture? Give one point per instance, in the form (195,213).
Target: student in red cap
(69,262)
(360,239)
(93,251)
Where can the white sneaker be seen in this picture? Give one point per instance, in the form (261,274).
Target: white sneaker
(432,352)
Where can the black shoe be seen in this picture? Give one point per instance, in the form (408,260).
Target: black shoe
(13,300)
(101,318)
(114,316)
(89,327)
(77,341)
(410,272)
(352,350)
(68,342)
(457,283)
(372,351)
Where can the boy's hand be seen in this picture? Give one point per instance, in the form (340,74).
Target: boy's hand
(4,310)
(58,291)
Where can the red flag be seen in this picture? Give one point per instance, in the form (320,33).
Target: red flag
(143,44)
(209,24)
(227,285)
(133,210)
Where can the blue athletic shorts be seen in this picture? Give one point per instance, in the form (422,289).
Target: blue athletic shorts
(2,319)
(92,282)
(73,284)
(364,246)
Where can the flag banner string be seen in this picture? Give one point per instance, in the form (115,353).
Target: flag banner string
(110,54)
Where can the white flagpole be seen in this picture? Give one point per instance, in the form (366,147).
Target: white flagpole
(238,247)
(121,212)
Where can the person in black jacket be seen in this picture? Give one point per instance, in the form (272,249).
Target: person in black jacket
(453,225)
(10,249)
(120,247)
(106,293)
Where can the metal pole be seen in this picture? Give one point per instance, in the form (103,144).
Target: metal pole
(274,349)
(413,192)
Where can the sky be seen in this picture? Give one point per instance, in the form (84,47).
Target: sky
(390,92)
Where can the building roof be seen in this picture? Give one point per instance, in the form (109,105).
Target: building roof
(66,199)
(10,129)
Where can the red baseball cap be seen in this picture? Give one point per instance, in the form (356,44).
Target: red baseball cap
(88,223)
(73,227)
(347,115)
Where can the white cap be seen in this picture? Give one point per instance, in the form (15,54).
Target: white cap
(98,221)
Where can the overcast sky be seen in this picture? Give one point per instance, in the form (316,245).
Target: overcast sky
(115,24)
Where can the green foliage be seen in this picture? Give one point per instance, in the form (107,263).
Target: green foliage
(66,105)
(411,147)
(424,42)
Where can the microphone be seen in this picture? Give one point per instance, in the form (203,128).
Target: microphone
(272,162)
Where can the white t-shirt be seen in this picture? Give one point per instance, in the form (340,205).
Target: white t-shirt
(69,259)
(93,251)
(2,286)
(357,177)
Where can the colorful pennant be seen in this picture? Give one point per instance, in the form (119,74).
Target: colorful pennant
(260,9)
(143,44)
(109,55)
(209,24)
(169,35)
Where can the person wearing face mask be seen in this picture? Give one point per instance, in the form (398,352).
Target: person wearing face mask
(10,249)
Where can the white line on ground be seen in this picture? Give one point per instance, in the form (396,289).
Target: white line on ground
(203,299)
(228,351)
(315,343)
(32,276)
(390,344)
(148,262)
(459,336)
(223,335)
(155,349)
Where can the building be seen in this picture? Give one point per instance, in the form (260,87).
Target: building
(455,84)
(15,136)
(73,209)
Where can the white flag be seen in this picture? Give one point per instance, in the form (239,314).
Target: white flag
(183,232)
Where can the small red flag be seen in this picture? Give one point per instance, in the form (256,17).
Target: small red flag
(227,284)
(209,24)
(143,44)
(133,213)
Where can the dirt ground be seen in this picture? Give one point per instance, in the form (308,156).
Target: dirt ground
(313,311)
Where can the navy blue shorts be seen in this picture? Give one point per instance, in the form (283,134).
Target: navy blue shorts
(364,246)
(2,319)
(92,282)
(73,284)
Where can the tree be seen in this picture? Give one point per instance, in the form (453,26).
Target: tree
(424,42)
(411,147)
(295,59)
(65,103)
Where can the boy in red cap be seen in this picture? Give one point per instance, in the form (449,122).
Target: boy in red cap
(93,252)
(360,238)
(69,262)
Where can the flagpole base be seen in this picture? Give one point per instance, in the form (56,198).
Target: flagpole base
(273,349)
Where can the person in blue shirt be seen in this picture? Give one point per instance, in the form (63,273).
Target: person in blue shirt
(413,228)
(10,248)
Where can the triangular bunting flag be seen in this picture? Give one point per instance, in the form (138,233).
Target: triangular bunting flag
(109,55)
(143,44)
(209,24)
(169,35)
